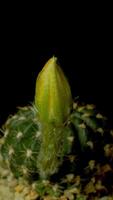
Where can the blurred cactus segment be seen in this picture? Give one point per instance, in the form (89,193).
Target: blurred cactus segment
(87,122)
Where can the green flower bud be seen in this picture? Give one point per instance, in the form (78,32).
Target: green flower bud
(53,95)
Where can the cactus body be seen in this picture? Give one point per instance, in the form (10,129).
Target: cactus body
(22,142)
(24,149)
(68,148)
(28,152)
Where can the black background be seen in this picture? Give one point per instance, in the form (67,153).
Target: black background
(82,42)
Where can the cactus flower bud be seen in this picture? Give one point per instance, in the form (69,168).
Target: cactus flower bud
(53,95)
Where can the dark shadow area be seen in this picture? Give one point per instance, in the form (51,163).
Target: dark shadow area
(84,53)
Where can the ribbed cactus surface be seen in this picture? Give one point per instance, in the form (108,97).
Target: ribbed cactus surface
(22,141)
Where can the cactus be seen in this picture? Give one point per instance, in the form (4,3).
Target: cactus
(63,147)
(22,141)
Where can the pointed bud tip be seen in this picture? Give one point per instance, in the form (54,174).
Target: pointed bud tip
(52,62)
(54,59)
